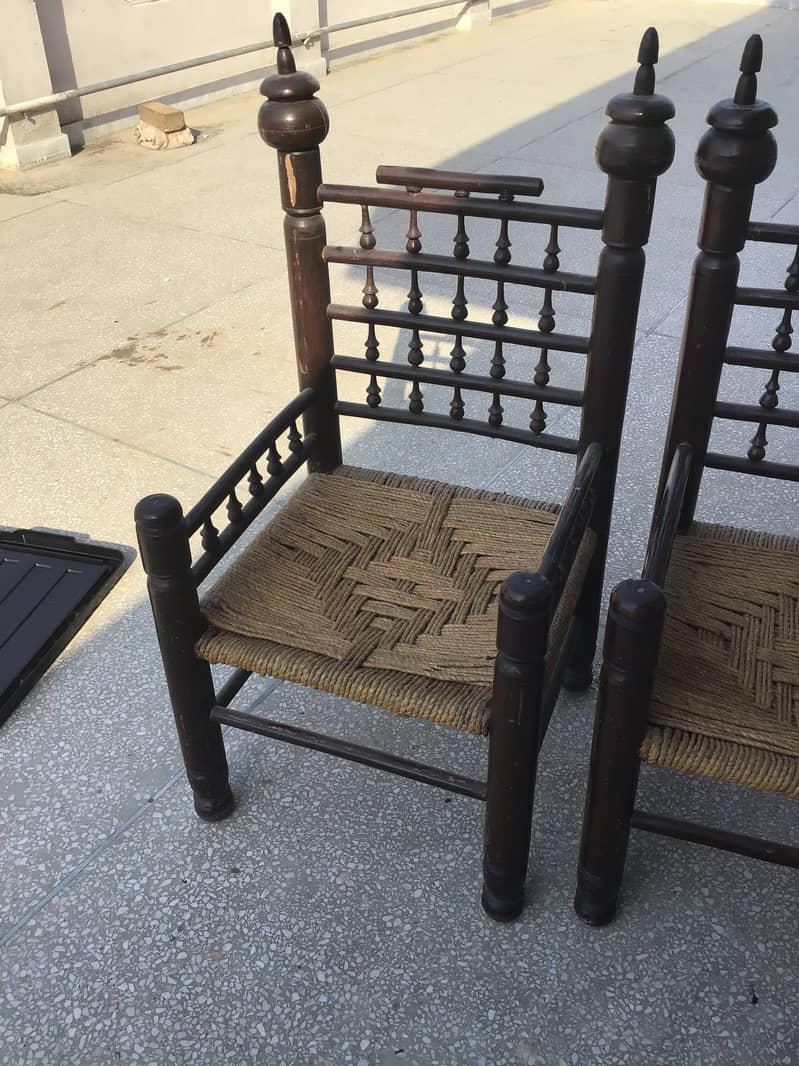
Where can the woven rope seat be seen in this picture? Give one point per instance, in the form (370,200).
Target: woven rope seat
(726,696)
(383,588)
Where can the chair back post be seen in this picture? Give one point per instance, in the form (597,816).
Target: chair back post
(633,150)
(295,123)
(734,155)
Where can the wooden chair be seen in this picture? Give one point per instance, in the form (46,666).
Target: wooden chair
(384,588)
(715,689)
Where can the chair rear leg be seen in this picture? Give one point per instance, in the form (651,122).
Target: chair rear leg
(517,705)
(632,640)
(173,595)
(579,672)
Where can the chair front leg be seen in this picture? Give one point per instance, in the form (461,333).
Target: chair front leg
(632,641)
(516,724)
(165,553)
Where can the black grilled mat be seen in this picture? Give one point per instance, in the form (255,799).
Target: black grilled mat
(49,585)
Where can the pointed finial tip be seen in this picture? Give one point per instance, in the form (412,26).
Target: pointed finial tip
(650,47)
(752,58)
(280,31)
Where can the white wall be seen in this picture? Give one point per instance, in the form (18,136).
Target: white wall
(88,41)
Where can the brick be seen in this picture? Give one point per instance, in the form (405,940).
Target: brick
(162,116)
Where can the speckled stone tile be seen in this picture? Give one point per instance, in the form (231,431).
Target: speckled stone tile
(90,282)
(335,919)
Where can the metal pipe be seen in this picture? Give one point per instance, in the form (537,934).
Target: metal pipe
(42,103)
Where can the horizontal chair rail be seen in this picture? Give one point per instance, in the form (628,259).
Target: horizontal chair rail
(270,488)
(448,378)
(471,207)
(762,360)
(776,298)
(467,268)
(459,181)
(764,468)
(344,749)
(240,466)
(773,232)
(462,425)
(745,412)
(694,833)
(527,338)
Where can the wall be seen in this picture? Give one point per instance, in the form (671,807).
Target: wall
(87,41)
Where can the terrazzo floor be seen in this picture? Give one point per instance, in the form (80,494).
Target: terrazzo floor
(335,917)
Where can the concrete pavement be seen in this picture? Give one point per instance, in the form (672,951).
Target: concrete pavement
(335,918)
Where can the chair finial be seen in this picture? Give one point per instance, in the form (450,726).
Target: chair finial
(637,145)
(648,52)
(751,62)
(281,35)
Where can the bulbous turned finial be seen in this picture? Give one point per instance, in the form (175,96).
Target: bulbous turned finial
(291,119)
(637,144)
(739,149)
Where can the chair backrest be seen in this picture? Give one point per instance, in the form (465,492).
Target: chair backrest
(632,150)
(735,154)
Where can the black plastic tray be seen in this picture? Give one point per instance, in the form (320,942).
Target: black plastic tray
(49,585)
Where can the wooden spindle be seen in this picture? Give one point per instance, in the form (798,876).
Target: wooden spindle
(255,483)
(274,464)
(234,508)
(209,536)
(295,440)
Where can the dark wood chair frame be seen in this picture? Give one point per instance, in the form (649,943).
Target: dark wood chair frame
(633,150)
(733,156)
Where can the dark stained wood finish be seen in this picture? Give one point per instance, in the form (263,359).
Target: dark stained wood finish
(345,749)
(633,150)
(516,733)
(164,546)
(293,121)
(474,268)
(736,153)
(469,207)
(635,620)
(636,147)
(459,181)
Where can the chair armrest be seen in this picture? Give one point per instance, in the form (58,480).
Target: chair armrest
(572,523)
(215,542)
(667,517)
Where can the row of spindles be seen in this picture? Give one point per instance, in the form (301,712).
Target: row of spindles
(459,313)
(209,534)
(781,343)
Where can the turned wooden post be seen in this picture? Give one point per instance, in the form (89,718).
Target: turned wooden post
(166,557)
(516,725)
(734,155)
(632,642)
(294,122)
(633,149)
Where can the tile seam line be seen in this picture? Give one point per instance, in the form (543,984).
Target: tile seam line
(147,336)
(78,869)
(63,883)
(115,440)
(112,213)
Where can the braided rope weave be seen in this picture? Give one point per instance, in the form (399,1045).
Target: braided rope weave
(383,589)
(726,697)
